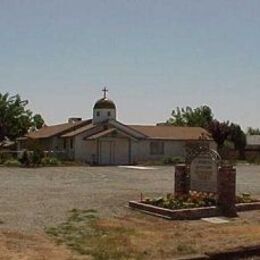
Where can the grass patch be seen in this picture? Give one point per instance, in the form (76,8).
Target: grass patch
(85,233)
(145,237)
(12,163)
(186,249)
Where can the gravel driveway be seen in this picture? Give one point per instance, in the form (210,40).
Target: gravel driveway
(31,199)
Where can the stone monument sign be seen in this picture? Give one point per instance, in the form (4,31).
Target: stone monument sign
(203,172)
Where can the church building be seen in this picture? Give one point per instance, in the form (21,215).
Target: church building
(103,140)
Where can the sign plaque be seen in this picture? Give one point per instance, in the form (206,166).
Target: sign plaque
(203,173)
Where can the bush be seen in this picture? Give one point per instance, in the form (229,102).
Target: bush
(37,157)
(69,163)
(173,160)
(4,156)
(30,159)
(50,161)
(253,159)
(25,159)
(12,163)
(149,163)
(245,198)
(193,200)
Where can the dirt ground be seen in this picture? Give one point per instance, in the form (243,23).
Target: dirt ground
(33,199)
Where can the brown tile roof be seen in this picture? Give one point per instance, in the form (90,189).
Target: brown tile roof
(149,131)
(100,134)
(49,131)
(106,132)
(171,132)
(79,130)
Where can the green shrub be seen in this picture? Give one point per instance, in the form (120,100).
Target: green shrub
(254,159)
(12,163)
(193,200)
(37,157)
(245,198)
(69,163)
(173,160)
(50,161)
(25,159)
(149,163)
(4,156)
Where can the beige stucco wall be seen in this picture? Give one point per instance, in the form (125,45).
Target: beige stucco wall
(85,151)
(125,148)
(57,144)
(89,151)
(46,144)
(103,115)
(140,150)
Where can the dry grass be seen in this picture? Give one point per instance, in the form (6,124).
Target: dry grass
(19,246)
(144,237)
(136,236)
(131,237)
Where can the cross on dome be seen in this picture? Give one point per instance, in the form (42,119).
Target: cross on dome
(104,109)
(105,90)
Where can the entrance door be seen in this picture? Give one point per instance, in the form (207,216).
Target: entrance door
(107,152)
(122,149)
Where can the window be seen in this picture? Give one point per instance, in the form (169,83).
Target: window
(64,143)
(108,113)
(157,148)
(98,113)
(71,143)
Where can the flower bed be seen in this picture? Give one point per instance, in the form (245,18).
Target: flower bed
(195,205)
(192,200)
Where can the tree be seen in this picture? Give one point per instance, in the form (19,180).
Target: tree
(201,117)
(15,119)
(37,122)
(253,131)
(219,131)
(237,136)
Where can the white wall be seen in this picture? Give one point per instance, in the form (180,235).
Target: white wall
(85,150)
(141,150)
(103,115)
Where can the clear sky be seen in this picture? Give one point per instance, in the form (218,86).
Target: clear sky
(153,55)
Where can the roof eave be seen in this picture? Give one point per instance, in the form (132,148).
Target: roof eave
(176,139)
